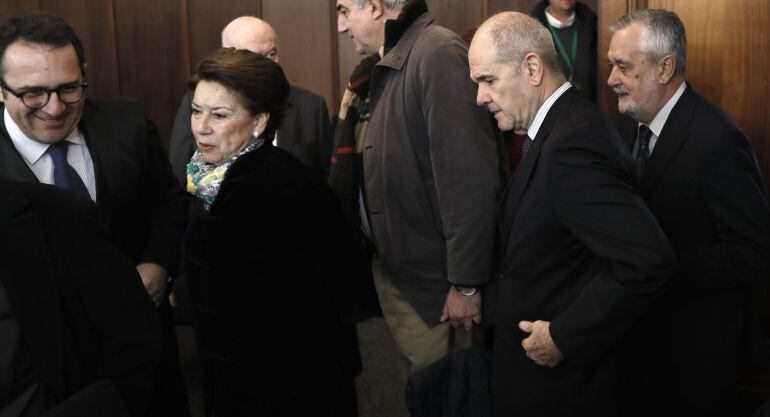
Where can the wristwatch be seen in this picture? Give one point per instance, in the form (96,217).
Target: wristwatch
(467,291)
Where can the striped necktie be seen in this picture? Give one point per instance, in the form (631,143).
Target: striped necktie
(642,150)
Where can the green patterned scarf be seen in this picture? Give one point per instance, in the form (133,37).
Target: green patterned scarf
(204,179)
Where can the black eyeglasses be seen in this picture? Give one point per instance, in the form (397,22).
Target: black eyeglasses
(36,98)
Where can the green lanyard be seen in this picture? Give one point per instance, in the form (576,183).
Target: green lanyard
(563,51)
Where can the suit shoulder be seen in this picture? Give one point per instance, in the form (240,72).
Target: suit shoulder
(121,108)
(713,127)
(53,202)
(436,39)
(585,113)
(301,95)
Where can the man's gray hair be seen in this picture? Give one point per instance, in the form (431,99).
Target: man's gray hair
(514,35)
(663,34)
(388,4)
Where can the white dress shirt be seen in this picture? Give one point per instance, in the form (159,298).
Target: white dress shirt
(543,110)
(656,126)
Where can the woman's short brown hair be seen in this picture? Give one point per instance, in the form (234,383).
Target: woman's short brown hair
(259,82)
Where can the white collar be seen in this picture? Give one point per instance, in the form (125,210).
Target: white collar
(558,24)
(543,110)
(30,149)
(656,126)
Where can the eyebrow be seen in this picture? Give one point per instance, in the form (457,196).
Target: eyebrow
(620,61)
(483,77)
(194,104)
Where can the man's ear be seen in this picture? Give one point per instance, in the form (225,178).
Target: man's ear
(376,8)
(666,69)
(533,67)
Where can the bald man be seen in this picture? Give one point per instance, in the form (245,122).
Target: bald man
(305,131)
(581,255)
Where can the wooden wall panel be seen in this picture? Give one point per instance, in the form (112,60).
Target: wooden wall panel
(149,36)
(9,8)
(207,18)
(94,24)
(609,11)
(307,36)
(457,15)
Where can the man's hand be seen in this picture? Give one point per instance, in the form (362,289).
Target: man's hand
(154,280)
(539,345)
(462,310)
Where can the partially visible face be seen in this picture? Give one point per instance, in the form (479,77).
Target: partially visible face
(260,41)
(633,77)
(360,25)
(503,91)
(565,6)
(30,66)
(221,124)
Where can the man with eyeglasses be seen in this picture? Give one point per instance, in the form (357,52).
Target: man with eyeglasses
(105,151)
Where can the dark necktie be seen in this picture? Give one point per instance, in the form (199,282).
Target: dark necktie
(64,176)
(642,150)
(527,142)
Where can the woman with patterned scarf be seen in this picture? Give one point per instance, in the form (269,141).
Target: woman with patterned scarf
(260,252)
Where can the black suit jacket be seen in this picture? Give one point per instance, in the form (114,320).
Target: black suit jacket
(78,301)
(579,249)
(138,199)
(703,184)
(305,132)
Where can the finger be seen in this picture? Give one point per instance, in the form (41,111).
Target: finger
(468,324)
(526,326)
(528,344)
(477,318)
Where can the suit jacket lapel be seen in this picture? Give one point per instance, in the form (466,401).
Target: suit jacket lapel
(13,165)
(672,137)
(96,132)
(512,195)
(28,278)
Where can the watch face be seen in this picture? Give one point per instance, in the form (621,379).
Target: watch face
(466,290)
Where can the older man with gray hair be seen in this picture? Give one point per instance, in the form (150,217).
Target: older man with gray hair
(581,256)
(431,177)
(698,174)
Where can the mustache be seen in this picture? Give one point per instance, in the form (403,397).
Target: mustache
(619,90)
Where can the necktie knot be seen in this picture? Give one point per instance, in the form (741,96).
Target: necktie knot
(58,152)
(64,175)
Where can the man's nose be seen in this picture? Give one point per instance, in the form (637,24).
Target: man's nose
(54,107)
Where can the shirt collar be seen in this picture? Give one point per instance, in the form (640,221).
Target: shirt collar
(656,126)
(556,23)
(29,149)
(543,110)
